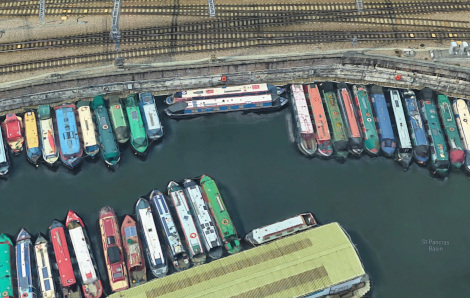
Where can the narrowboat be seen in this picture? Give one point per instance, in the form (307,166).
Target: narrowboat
(13,132)
(70,146)
(186,221)
(156,259)
(90,279)
(118,119)
(43,264)
(4,159)
(204,222)
(456,151)
(340,138)
(281,229)
(109,148)
(23,265)
(224,223)
(68,282)
(175,248)
(88,129)
(322,132)
(33,149)
(225,91)
(462,118)
(6,268)
(439,161)
(404,151)
(385,130)
(50,152)
(305,136)
(138,136)
(416,128)
(112,249)
(350,118)
(249,98)
(366,120)
(135,259)
(148,109)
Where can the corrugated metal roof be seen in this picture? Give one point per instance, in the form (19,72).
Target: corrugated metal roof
(294,266)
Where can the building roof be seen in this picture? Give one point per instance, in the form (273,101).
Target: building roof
(293,266)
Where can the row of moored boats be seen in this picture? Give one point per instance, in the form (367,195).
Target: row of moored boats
(333,121)
(201,229)
(72,132)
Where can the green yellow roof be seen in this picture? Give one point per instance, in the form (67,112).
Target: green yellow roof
(293,266)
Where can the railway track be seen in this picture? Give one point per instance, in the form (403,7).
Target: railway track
(224,42)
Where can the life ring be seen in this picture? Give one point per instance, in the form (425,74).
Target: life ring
(117,106)
(105,126)
(464,120)
(368,114)
(4,294)
(452,129)
(193,235)
(369,119)
(225,221)
(23,295)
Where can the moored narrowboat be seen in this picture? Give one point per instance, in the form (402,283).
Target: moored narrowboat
(12,128)
(88,129)
(384,124)
(135,259)
(305,136)
(340,138)
(43,264)
(350,118)
(366,120)
(205,223)
(281,229)
(439,161)
(416,128)
(322,132)
(23,265)
(118,119)
(462,118)
(174,246)
(186,221)
(138,136)
(33,148)
(456,151)
(148,108)
(404,151)
(89,275)
(112,249)
(50,152)
(108,146)
(227,231)
(156,259)
(70,146)
(4,159)
(6,268)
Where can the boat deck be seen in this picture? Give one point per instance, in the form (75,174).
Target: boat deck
(290,267)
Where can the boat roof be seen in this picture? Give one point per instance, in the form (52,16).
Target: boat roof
(402,128)
(463,117)
(202,215)
(319,115)
(44,112)
(294,266)
(67,130)
(12,126)
(153,246)
(108,143)
(136,124)
(279,226)
(44,267)
(87,125)
(381,113)
(438,141)
(224,90)
(347,103)
(3,157)
(303,113)
(62,255)
(337,125)
(117,112)
(82,253)
(233,100)
(151,115)
(448,121)
(414,118)
(31,129)
(23,261)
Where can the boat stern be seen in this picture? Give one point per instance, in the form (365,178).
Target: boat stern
(23,235)
(216,252)
(233,246)
(457,158)
(93,290)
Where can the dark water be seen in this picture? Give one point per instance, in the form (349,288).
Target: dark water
(263,178)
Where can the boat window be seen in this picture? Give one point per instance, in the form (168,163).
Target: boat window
(47,285)
(45,274)
(134,115)
(111,240)
(117,275)
(114,254)
(130,231)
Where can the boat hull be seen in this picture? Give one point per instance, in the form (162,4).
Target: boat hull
(44,269)
(70,146)
(23,265)
(135,259)
(13,132)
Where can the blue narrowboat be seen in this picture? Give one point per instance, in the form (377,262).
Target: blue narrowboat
(384,124)
(70,147)
(23,265)
(416,127)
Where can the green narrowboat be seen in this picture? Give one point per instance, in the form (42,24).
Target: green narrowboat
(222,218)
(108,146)
(118,119)
(366,119)
(138,136)
(439,161)
(340,138)
(456,152)
(6,266)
